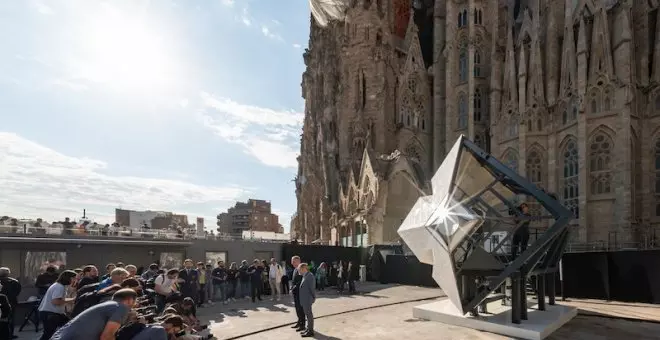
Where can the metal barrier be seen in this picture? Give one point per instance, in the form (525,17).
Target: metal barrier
(55,231)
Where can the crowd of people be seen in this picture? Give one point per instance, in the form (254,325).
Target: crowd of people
(127,302)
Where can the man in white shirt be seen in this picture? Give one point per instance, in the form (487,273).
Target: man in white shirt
(274,278)
(165,286)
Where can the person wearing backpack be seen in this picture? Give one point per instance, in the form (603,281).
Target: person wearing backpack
(165,287)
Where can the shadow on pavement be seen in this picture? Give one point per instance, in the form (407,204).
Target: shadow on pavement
(320,336)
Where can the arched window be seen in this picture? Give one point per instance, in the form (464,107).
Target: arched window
(529,125)
(460,20)
(479,17)
(477,105)
(477,64)
(512,128)
(423,125)
(510,159)
(539,125)
(594,106)
(600,167)
(569,184)
(657,177)
(465,17)
(462,112)
(534,169)
(462,66)
(564,117)
(476,19)
(607,101)
(364,89)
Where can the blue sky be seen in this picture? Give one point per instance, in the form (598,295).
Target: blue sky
(177,105)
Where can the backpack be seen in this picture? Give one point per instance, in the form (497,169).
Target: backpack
(85,301)
(129,331)
(87,288)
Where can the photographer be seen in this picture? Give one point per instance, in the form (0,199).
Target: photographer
(521,235)
(101,321)
(165,287)
(117,276)
(51,309)
(168,329)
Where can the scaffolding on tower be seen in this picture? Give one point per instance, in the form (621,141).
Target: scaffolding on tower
(325,11)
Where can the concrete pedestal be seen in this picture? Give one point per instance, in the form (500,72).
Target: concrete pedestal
(539,324)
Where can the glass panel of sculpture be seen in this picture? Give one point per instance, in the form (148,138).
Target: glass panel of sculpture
(462,228)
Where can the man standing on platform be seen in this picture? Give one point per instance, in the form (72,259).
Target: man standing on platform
(296,280)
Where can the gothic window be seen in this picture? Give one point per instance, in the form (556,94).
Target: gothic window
(529,125)
(564,117)
(600,164)
(607,101)
(407,120)
(364,89)
(479,17)
(657,177)
(511,159)
(477,105)
(462,66)
(539,125)
(462,112)
(465,17)
(569,184)
(460,20)
(423,125)
(594,103)
(535,168)
(512,128)
(477,64)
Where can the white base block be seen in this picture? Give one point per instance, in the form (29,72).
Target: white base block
(539,324)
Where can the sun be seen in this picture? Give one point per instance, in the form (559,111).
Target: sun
(128,53)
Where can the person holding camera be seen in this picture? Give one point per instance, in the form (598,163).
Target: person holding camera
(101,321)
(521,235)
(165,287)
(51,309)
(167,329)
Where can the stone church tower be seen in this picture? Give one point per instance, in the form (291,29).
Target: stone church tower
(563,91)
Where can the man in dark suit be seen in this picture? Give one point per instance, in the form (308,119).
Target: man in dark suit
(189,279)
(296,280)
(11,288)
(307,297)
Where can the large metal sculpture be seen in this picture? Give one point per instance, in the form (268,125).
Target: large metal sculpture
(465,228)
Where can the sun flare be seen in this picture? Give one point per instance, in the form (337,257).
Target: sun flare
(127,53)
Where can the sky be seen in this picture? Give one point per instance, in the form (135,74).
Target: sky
(175,105)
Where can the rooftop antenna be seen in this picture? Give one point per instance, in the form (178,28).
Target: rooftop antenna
(84,213)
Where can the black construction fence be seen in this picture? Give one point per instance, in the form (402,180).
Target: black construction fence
(630,276)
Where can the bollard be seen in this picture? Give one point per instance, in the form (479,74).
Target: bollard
(540,290)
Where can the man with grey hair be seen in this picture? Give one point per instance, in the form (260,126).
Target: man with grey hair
(296,280)
(307,297)
(11,288)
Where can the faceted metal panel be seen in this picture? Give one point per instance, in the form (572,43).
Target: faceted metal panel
(465,227)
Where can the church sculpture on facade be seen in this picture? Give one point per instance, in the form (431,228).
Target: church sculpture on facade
(563,91)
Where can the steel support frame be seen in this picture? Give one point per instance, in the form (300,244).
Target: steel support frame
(562,217)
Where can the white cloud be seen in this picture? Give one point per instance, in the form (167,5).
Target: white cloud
(267,33)
(73,86)
(297,46)
(244,17)
(36,181)
(228,3)
(42,7)
(271,136)
(184,103)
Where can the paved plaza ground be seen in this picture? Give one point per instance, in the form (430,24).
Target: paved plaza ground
(385,312)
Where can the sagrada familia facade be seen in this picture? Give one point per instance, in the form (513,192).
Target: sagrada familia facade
(566,92)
